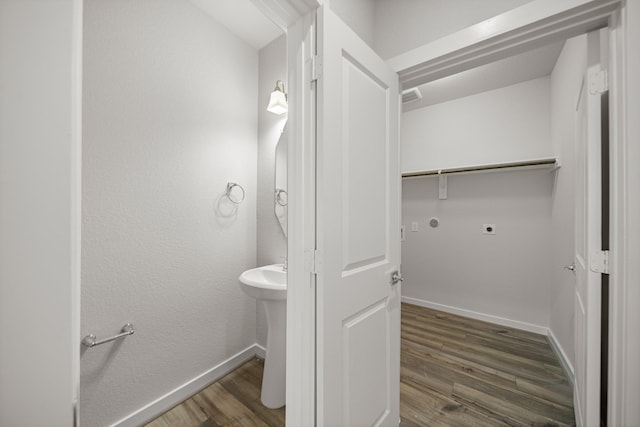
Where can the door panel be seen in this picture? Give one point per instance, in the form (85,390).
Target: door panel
(364,335)
(588,242)
(358,206)
(365,149)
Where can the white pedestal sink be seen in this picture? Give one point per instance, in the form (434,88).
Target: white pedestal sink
(269,285)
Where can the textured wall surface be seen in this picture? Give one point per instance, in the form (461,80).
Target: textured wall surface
(566,81)
(505,275)
(272,243)
(169,117)
(502,125)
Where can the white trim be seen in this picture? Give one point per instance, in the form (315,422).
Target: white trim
(301,301)
(542,330)
(526,27)
(188,389)
(285,13)
(562,356)
(261,352)
(617,153)
(624,372)
(76,200)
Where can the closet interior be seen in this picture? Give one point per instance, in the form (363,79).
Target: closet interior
(487,192)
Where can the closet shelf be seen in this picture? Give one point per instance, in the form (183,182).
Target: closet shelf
(550,163)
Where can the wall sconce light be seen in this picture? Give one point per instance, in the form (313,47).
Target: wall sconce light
(278,100)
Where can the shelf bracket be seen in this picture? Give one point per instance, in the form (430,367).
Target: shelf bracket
(442,186)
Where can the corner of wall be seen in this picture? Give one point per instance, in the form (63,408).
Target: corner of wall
(567,366)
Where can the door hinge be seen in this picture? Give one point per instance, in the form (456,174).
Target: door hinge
(600,262)
(313,262)
(598,82)
(316,68)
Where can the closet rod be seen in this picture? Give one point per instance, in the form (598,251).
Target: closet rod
(550,162)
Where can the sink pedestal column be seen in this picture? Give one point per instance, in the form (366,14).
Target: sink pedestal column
(275,372)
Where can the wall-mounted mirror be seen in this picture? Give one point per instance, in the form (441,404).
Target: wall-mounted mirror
(281,196)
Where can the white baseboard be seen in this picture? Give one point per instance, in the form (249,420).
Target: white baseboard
(561,355)
(542,330)
(261,352)
(188,389)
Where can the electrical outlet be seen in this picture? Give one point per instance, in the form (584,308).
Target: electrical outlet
(415,226)
(488,229)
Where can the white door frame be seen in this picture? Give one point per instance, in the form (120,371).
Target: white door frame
(535,24)
(588,236)
(531,25)
(40,218)
(624,313)
(524,28)
(301,297)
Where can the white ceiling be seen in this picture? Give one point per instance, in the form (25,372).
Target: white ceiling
(243,19)
(246,21)
(519,68)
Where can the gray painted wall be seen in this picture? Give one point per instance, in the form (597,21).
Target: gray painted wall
(169,118)
(272,243)
(506,275)
(502,125)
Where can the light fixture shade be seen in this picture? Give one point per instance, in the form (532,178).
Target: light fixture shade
(278,100)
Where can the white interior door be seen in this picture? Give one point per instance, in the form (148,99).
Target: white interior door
(588,242)
(358,226)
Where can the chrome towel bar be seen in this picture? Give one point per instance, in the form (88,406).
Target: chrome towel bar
(91,341)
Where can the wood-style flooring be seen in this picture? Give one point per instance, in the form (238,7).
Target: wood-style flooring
(455,372)
(234,400)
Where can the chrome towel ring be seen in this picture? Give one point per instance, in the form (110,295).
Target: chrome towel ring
(235,196)
(282,197)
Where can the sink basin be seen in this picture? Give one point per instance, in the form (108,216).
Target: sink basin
(265,283)
(268,285)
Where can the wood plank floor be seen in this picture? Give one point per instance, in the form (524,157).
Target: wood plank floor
(234,400)
(455,371)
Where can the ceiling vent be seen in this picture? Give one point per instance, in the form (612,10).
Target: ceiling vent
(411,95)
